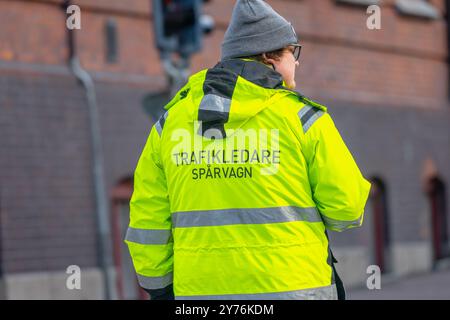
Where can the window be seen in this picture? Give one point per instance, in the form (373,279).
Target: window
(111,41)
(438,206)
(417,8)
(126,280)
(380,224)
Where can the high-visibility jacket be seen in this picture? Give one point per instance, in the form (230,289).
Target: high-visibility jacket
(235,188)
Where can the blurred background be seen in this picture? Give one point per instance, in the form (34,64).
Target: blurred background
(76,107)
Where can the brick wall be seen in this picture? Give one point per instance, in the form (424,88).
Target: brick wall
(404,62)
(45,171)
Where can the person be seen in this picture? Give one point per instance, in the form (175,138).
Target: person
(242,177)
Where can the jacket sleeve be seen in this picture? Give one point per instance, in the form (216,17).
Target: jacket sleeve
(338,187)
(161,294)
(149,235)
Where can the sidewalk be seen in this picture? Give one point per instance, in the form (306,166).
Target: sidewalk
(429,286)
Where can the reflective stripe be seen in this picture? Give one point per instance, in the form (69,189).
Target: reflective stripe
(214,109)
(304,110)
(216,103)
(340,225)
(244,216)
(308,115)
(158,128)
(160,123)
(322,293)
(147,236)
(155,282)
(213,113)
(311,120)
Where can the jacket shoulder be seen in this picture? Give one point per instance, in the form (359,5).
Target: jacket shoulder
(304,101)
(309,112)
(314,104)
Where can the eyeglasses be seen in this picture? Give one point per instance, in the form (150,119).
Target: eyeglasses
(296,51)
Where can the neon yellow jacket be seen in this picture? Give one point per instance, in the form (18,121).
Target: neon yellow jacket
(235,188)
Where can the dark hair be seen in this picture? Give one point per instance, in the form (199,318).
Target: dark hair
(276,54)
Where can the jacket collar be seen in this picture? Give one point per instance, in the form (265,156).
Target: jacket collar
(253,71)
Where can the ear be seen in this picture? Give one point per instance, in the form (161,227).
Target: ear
(273,62)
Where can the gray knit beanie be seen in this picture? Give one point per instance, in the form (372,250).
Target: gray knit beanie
(255,28)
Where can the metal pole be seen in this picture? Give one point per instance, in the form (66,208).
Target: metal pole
(102,206)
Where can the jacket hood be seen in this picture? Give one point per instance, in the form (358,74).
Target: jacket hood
(222,99)
(231,93)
